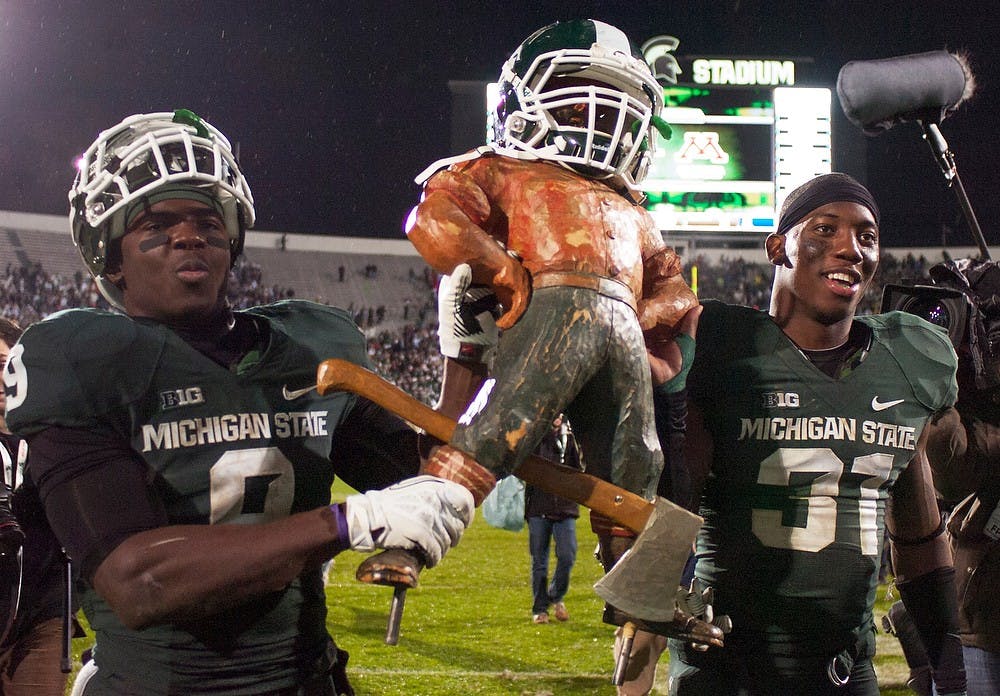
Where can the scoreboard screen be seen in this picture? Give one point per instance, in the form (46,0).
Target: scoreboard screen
(734,153)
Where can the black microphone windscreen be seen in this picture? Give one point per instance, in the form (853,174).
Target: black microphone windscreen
(878,94)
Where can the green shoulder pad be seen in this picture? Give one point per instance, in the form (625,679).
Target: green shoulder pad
(924,352)
(321,331)
(77,366)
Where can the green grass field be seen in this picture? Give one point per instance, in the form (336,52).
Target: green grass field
(467,628)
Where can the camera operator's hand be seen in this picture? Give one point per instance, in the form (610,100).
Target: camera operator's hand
(11,536)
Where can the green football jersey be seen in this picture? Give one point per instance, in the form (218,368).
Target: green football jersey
(794,504)
(225,446)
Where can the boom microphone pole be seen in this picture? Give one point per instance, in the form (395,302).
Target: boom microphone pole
(923,87)
(946,160)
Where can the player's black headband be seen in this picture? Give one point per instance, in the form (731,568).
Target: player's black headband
(827,188)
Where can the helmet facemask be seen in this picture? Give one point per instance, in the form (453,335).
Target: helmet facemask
(593,127)
(148,156)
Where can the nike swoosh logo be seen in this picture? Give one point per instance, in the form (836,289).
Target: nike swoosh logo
(291,395)
(883,405)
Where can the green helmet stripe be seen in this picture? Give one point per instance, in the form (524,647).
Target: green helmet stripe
(190,118)
(574,34)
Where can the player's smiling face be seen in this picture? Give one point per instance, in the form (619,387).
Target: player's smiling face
(175,262)
(831,256)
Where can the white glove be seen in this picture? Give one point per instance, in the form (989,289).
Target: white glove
(466,316)
(424,513)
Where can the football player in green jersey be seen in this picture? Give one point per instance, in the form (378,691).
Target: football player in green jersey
(804,436)
(179,448)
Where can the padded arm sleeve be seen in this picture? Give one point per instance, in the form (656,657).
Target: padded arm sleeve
(671,416)
(373,448)
(95,491)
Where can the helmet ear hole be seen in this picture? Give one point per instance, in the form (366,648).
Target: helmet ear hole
(114,277)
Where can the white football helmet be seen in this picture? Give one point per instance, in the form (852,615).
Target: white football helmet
(129,162)
(580,94)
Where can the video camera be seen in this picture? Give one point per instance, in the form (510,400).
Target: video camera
(964,300)
(944,307)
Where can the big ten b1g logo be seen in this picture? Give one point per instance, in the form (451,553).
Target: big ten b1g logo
(175,398)
(780,400)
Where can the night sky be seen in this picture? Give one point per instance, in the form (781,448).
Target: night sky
(336,106)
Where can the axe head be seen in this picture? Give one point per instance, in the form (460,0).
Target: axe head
(643,583)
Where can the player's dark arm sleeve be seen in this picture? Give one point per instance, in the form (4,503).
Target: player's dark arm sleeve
(671,411)
(95,490)
(932,604)
(373,448)
(925,574)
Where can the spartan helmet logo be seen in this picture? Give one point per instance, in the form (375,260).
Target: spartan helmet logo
(658,52)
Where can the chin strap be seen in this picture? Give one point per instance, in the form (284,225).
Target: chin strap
(440,164)
(634,195)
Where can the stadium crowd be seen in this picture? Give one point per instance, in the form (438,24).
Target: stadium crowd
(408,354)
(29,293)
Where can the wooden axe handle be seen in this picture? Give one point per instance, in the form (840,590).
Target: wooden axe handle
(622,506)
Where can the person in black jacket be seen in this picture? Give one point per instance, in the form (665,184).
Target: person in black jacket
(30,651)
(552,519)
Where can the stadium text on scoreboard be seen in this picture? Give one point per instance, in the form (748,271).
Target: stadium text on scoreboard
(720,71)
